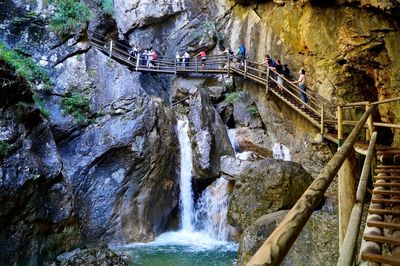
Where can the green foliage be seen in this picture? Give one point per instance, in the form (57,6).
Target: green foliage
(40,105)
(232,97)
(108,7)
(252,109)
(77,106)
(25,67)
(70,16)
(4,149)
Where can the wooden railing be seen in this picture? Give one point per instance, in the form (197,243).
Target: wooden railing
(282,238)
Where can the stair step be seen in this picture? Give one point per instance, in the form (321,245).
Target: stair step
(387,177)
(387,170)
(388,166)
(386,201)
(384,212)
(383,239)
(391,260)
(386,184)
(384,225)
(385,192)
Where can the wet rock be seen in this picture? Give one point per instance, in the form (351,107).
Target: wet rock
(210,140)
(37,219)
(233,166)
(245,113)
(225,111)
(90,257)
(314,245)
(216,93)
(264,187)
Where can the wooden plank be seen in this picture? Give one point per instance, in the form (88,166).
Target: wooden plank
(388,166)
(382,239)
(384,225)
(391,260)
(386,177)
(386,184)
(385,192)
(384,212)
(385,201)
(387,170)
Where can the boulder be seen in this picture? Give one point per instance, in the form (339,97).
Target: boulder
(209,137)
(255,140)
(314,246)
(264,187)
(233,166)
(90,257)
(255,235)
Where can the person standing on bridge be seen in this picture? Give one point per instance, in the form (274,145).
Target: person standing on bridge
(186,57)
(203,57)
(302,85)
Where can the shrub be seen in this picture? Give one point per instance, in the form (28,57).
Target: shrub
(4,149)
(232,97)
(252,109)
(108,7)
(25,67)
(70,16)
(77,106)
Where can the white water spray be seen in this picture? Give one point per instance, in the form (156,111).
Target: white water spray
(282,152)
(186,194)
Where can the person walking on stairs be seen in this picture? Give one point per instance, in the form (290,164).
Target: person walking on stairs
(203,57)
(302,85)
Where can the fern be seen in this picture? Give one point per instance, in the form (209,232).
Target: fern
(70,16)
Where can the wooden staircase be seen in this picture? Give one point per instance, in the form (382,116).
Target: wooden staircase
(381,241)
(221,64)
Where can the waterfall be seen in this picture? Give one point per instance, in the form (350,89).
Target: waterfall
(282,152)
(212,210)
(186,194)
(245,155)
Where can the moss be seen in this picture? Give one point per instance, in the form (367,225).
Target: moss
(4,149)
(77,106)
(69,17)
(25,67)
(108,7)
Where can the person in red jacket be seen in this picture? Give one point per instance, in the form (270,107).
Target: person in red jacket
(203,57)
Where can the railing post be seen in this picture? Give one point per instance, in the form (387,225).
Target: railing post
(368,132)
(340,125)
(245,67)
(267,80)
(175,65)
(322,120)
(197,65)
(137,61)
(111,47)
(229,64)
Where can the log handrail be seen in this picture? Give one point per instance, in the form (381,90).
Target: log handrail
(282,238)
(346,256)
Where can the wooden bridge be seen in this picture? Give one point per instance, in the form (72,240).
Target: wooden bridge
(379,246)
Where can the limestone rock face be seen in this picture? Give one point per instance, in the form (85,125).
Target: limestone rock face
(209,137)
(36,217)
(314,246)
(114,161)
(139,13)
(345,59)
(266,186)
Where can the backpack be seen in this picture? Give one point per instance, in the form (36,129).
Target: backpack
(242,50)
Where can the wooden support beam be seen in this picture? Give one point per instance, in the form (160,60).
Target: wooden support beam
(279,242)
(390,260)
(322,120)
(346,193)
(340,125)
(350,239)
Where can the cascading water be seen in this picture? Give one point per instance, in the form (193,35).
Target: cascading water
(186,195)
(238,154)
(212,210)
(202,238)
